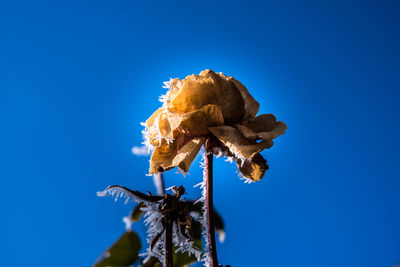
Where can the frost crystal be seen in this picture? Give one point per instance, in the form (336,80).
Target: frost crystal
(116,191)
(145,134)
(153,221)
(183,243)
(245,179)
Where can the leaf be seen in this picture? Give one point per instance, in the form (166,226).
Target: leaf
(179,259)
(117,191)
(152,262)
(196,231)
(124,252)
(218,221)
(137,213)
(183,259)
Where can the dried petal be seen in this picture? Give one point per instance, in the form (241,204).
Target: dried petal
(241,147)
(196,91)
(158,127)
(204,103)
(229,98)
(264,127)
(251,106)
(167,156)
(197,122)
(188,153)
(254,169)
(162,157)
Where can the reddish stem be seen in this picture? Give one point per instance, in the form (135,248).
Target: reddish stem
(209,203)
(168,259)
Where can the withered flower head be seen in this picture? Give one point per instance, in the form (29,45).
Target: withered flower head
(210,104)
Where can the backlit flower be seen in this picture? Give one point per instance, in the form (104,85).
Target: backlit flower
(204,105)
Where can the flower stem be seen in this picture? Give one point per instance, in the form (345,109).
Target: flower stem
(168,259)
(209,203)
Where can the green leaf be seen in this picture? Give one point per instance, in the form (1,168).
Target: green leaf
(152,262)
(218,221)
(124,252)
(137,213)
(180,259)
(183,259)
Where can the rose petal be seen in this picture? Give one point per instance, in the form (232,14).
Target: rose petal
(167,156)
(241,147)
(195,92)
(254,169)
(229,98)
(251,106)
(152,118)
(162,157)
(263,127)
(188,153)
(197,122)
(158,127)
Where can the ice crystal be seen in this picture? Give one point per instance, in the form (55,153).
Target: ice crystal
(153,220)
(245,179)
(183,243)
(117,191)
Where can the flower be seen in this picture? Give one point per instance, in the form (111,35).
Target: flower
(204,105)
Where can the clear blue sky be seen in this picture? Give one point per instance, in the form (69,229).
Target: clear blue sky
(78,77)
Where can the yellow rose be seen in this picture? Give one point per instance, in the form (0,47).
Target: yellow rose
(204,105)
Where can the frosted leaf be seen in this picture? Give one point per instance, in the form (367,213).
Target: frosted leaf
(153,220)
(117,191)
(184,244)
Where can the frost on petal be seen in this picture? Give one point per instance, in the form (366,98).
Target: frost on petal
(242,148)
(254,169)
(167,156)
(158,128)
(264,126)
